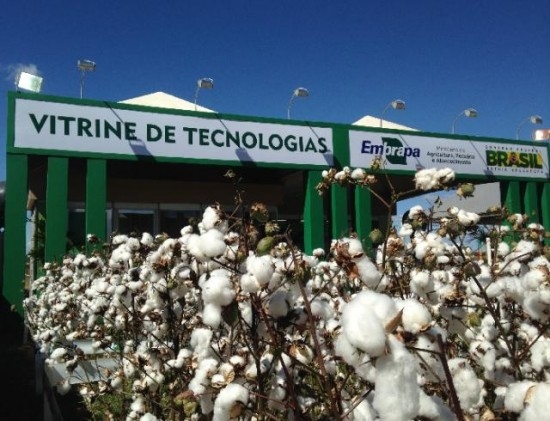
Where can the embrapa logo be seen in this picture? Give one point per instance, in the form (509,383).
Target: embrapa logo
(392,149)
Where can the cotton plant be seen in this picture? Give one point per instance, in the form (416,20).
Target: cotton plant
(231,320)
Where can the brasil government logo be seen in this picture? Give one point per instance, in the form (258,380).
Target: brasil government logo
(513,158)
(391,149)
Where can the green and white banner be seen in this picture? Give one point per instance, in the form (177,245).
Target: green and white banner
(467,157)
(55,126)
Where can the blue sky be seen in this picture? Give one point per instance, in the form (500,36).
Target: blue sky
(354,57)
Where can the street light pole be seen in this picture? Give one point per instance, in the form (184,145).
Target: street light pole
(203,83)
(468,112)
(535,119)
(298,92)
(396,104)
(84,66)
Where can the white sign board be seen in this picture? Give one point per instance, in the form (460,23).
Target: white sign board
(412,152)
(55,126)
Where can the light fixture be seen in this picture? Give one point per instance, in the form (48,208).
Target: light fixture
(203,83)
(534,119)
(468,112)
(28,82)
(84,66)
(298,92)
(396,104)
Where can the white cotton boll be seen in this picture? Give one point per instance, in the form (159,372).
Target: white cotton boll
(361,363)
(484,352)
(421,282)
(138,405)
(368,272)
(416,317)
(135,286)
(383,305)
(428,344)
(540,354)
(340,175)
(425,179)
(434,408)
(119,239)
(358,174)
(251,372)
(343,348)
(218,289)
(133,244)
(396,390)
(364,411)
(194,247)
(261,267)
(63,387)
(249,283)
(453,210)
(245,308)
(321,309)
(539,262)
(279,304)
(527,332)
(58,354)
(466,218)
(148,417)
(206,369)
(117,383)
(523,250)
(200,340)
(230,402)
(406,230)
(363,321)
(533,279)
(445,175)
(503,249)
(211,219)
(355,248)
(467,385)
(538,407)
(513,287)
(59,307)
(416,211)
(212,243)
(421,249)
(277,396)
(494,289)
(128,367)
(514,399)
(147,239)
(212,315)
(535,307)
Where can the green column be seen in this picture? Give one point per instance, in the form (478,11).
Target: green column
(56,208)
(15,229)
(531,201)
(339,195)
(339,211)
(314,225)
(511,196)
(363,214)
(545,208)
(96,200)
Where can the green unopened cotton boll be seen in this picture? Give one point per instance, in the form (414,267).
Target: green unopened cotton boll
(190,408)
(466,190)
(376,236)
(265,245)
